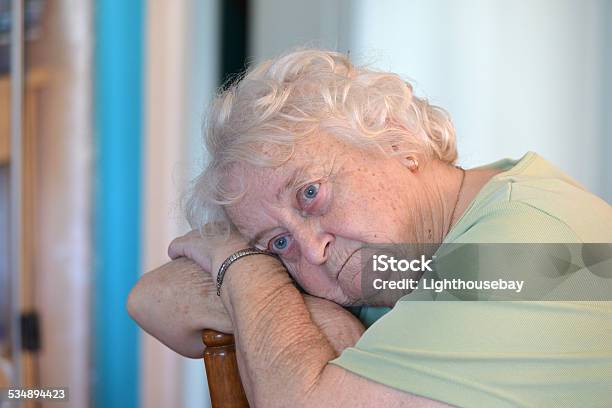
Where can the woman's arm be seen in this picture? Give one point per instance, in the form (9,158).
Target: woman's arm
(176,301)
(285,355)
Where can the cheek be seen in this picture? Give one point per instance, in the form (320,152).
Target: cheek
(367,215)
(367,194)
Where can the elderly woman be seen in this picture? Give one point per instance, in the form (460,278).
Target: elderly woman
(312,159)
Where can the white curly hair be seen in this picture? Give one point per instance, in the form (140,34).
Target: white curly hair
(279,102)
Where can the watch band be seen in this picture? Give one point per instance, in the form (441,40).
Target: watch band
(233,258)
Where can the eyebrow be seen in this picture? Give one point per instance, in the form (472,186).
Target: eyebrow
(296,178)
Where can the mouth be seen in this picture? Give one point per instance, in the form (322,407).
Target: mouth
(345,262)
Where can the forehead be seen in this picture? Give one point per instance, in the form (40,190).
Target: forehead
(264,186)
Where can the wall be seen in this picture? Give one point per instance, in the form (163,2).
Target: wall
(515,76)
(279,25)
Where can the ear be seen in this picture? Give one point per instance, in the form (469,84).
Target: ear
(403,150)
(405,156)
(411,162)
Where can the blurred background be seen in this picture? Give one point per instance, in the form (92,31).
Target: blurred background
(112,93)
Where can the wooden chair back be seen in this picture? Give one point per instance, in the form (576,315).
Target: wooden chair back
(224,382)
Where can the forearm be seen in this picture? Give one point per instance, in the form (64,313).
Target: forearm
(275,333)
(339,326)
(176,301)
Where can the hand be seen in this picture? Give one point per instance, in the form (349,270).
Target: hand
(175,302)
(208,252)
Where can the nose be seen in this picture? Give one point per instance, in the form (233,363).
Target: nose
(314,243)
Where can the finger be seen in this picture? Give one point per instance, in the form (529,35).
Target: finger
(176,248)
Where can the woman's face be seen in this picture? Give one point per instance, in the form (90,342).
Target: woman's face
(319,209)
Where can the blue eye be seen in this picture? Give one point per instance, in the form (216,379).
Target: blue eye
(280,243)
(311,191)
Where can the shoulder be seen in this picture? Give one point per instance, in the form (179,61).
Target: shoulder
(534,202)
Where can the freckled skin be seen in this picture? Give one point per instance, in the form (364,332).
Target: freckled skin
(368,197)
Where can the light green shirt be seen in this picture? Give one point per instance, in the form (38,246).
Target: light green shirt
(502,353)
